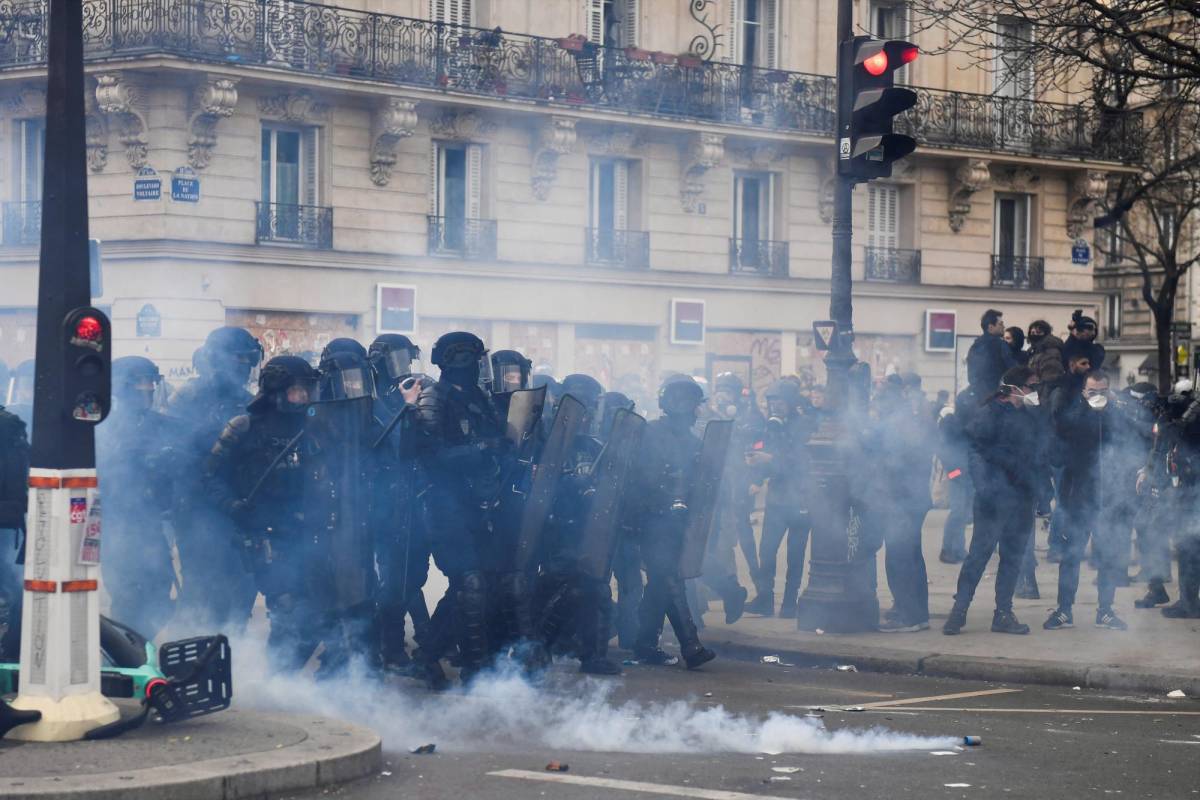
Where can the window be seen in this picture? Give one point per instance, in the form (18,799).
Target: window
(1012,227)
(753,32)
(613,23)
(610,195)
(1168,223)
(451,12)
(883,215)
(1013,74)
(1112,316)
(1114,245)
(890,21)
(754,207)
(455,196)
(290,185)
(30,146)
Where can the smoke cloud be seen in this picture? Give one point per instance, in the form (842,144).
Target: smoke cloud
(503,710)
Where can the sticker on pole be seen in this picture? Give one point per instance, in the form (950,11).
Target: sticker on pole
(78,510)
(89,545)
(844,149)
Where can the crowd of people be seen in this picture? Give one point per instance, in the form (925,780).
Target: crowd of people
(332,488)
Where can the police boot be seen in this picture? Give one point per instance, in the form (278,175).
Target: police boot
(1156,595)
(516,603)
(594,634)
(651,612)
(694,653)
(471,611)
(558,613)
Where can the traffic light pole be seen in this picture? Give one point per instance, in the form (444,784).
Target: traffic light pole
(840,595)
(60,634)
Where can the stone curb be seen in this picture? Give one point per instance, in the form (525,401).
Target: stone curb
(831,653)
(333,752)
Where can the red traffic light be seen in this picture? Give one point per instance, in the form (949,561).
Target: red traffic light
(909,55)
(876,64)
(89,329)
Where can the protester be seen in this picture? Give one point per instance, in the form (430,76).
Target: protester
(989,356)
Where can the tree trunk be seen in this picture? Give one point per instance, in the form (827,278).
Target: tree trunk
(1164,314)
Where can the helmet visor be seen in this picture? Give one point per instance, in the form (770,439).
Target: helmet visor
(486,379)
(348,384)
(397,364)
(510,378)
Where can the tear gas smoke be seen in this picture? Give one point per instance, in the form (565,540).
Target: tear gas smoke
(503,709)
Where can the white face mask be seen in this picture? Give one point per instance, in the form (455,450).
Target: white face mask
(1098,401)
(1031,399)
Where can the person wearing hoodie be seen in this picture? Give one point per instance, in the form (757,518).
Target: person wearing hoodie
(1082,341)
(1045,352)
(1014,337)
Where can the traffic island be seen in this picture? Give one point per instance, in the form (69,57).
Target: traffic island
(234,754)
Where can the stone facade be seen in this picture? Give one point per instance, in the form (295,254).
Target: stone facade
(369,148)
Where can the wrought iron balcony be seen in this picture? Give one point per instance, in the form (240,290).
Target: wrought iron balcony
(1018,272)
(307,226)
(23,222)
(758,256)
(891,265)
(464,238)
(325,39)
(613,248)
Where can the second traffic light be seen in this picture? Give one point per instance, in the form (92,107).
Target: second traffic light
(868,102)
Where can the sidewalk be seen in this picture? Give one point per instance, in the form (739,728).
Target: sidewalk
(1155,655)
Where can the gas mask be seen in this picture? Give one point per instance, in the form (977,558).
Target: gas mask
(1097,401)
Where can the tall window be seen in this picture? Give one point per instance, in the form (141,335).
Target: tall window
(28,159)
(1114,245)
(455,191)
(883,216)
(1112,316)
(889,20)
(1013,73)
(1168,222)
(451,12)
(290,174)
(613,23)
(610,195)
(1012,226)
(754,207)
(753,31)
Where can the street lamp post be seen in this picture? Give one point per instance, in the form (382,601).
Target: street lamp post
(60,634)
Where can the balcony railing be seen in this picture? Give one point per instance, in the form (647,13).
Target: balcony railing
(758,256)
(23,222)
(324,39)
(613,248)
(465,238)
(307,226)
(892,265)
(1018,272)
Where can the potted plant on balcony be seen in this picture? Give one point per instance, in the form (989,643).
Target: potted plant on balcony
(659,57)
(689,61)
(574,43)
(637,54)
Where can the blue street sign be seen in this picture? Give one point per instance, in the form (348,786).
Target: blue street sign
(147,185)
(185,186)
(1081,253)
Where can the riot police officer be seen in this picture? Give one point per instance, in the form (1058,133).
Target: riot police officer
(663,476)
(207,543)
(462,448)
(259,473)
(511,372)
(137,456)
(401,541)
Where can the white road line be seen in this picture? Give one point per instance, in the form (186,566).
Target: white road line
(631,786)
(908,701)
(1071,711)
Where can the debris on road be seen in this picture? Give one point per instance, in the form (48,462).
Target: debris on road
(777,778)
(1076,689)
(787,770)
(957,785)
(708,694)
(973,741)
(847,668)
(1176,693)
(770,660)
(386,774)
(557,766)
(943,753)
(854,708)
(424,750)
(819,632)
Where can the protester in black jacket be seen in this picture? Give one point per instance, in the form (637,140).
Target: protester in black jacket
(1083,341)
(1006,463)
(1015,338)
(953,448)
(989,355)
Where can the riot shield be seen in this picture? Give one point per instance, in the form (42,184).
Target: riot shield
(702,496)
(598,537)
(338,508)
(547,472)
(524,413)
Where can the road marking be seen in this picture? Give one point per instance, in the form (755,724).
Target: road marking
(1177,741)
(908,701)
(631,786)
(1157,713)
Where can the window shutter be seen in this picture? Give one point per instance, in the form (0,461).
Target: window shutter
(595,21)
(31,156)
(435,183)
(738,188)
(629,23)
(733,32)
(882,216)
(770,32)
(768,207)
(311,168)
(594,186)
(621,195)
(474,181)
(437,10)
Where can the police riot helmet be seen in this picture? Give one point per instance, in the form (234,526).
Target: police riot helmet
(135,378)
(229,354)
(393,357)
(463,353)
(345,376)
(510,371)
(278,377)
(783,398)
(610,404)
(583,388)
(344,344)
(680,394)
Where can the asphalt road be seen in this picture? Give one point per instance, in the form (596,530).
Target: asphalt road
(1037,741)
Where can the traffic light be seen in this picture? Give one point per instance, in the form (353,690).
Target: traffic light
(868,101)
(87,367)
